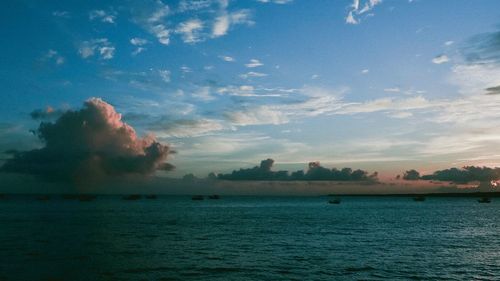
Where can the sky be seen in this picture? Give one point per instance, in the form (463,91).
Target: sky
(379,85)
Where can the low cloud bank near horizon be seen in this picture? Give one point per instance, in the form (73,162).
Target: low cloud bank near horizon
(315,172)
(463,175)
(89,144)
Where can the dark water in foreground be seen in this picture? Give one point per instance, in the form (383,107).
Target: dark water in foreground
(249,238)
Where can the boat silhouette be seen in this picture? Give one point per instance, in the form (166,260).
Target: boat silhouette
(484,200)
(419,198)
(334,201)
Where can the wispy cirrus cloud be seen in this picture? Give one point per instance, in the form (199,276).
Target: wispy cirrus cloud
(275,1)
(260,115)
(53,56)
(358,9)
(187,128)
(226,19)
(139,43)
(194,21)
(227,58)
(190,31)
(248,91)
(100,47)
(440,59)
(103,16)
(61,14)
(254,63)
(252,74)
(151,17)
(194,5)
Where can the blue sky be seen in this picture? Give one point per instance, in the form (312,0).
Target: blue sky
(382,85)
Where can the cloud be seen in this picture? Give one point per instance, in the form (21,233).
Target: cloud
(392,90)
(138,50)
(254,63)
(465,175)
(315,172)
(139,42)
(203,93)
(91,143)
(185,128)
(275,1)
(54,56)
(221,26)
(252,74)
(103,16)
(493,90)
(164,75)
(136,41)
(194,5)
(102,47)
(317,102)
(190,30)
(401,115)
(227,58)
(185,69)
(151,17)
(47,113)
(248,91)
(257,116)
(193,20)
(226,19)
(475,79)
(483,48)
(61,14)
(388,104)
(365,71)
(357,10)
(440,59)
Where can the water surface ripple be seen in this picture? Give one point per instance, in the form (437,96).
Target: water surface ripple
(249,238)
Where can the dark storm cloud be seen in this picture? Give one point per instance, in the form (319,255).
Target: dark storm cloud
(465,175)
(90,143)
(315,172)
(493,90)
(483,48)
(48,113)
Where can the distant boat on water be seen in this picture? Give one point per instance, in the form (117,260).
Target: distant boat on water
(132,197)
(484,200)
(151,196)
(197,197)
(419,198)
(334,201)
(215,196)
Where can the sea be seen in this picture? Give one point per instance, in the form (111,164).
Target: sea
(249,238)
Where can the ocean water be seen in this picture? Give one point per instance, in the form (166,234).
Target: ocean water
(249,238)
